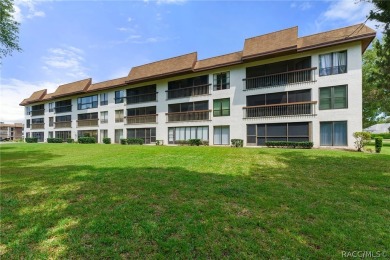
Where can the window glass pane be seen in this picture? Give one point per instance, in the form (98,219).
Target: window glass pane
(340,133)
(276,98)
(261,141)
(260,130)
(277,130)
(205,133)
(251,139)
(217,135)
(256,100)
(340,97)
(251,129)
(325,98)
(326,130)
(225,135)
(298,129)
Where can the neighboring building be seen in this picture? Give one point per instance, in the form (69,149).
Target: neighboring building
(11,131)
(378,129)
(279,87)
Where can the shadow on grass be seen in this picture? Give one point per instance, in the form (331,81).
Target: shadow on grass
(305,205)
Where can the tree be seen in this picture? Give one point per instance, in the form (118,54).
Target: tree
(9,29)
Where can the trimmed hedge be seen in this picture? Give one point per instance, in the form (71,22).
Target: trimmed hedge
(86,140)
(106,140)
(135,141)
(55,140)
(182,142)
(378,144)
(285,144)
(237,142)
(194,142)
(31,140)
(70,141)
(384,135)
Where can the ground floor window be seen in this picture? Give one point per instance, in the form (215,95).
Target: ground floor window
(185,133)
(118,135)
(221,135)
(294,132)
(39,135)
(147,134)
(50,134)
(333,133)
(64,135)
(88,133)
(103,134)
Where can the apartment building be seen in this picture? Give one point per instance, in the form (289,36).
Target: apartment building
(279,87)
(11,132)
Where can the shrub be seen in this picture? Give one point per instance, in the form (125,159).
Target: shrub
(237,142)
(54,140)
(159,142)
(362,138)
(205,143)
(86,140)
(182,142)
(123,141)
(384,135)
(31,140)
(86,135)
(106,140)
(285,144)
(70,141)
(194,142)
(378,144)
(134,141)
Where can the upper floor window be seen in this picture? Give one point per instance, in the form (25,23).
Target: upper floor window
(51,121)
(103,99)
(333,97)
(118,116)
(28,110)
(119,95)
(222,107)
(51,107)
(87,102)
(28,123)
(66,118)
(222,81)
(333,63)
(63,106)
(87,116)
(104,117)
(141,94)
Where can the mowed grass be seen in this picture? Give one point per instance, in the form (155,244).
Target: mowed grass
(113,201)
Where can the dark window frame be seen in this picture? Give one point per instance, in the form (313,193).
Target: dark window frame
(92,104)
(220,112)
(218,80)
(332,97)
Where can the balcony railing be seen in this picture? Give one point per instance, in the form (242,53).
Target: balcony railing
(147,97)
(63,124)
(63,109)
(201,115)
(189,91)
(142,119)
(287,109)
(88,122)
(38,112)
(38,126)
(280,79)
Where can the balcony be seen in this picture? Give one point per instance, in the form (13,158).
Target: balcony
(63,109)
(37,126)
(143,119)
(280,79)
(88,122)
(64,124)
(189,91)
(287,109)
(201,115)
(38,112)
(147,97)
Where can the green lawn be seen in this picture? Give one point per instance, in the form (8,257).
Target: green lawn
(113,201)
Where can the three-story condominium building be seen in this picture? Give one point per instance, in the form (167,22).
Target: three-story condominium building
(280,87)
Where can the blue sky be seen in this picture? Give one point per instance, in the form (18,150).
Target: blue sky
(66,41)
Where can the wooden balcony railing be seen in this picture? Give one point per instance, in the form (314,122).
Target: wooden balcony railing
(38,112)
(38,126)
(287,109)
(88,122)
(63,124)
(147,97)
(189,91)
(201,115)
(143,119)
(63,109)
(280,79)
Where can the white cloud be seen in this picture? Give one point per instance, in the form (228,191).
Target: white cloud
(129,19)
(302,5)
(26,9)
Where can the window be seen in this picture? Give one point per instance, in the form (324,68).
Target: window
(63,106)
(87,116)
(333,133)
(185,133)
(50,134)
(187,107)
(28,110)
(141,94)
(66,118)
(51,107)
(147,134)
(28,123)
(37,121)
(119,95)
(51,121)
(64,135)
(261,133)
(103,134)
(27,135)
(222,107)
(118,135)
(333,97)
(39,135)
(88,133)
(221,135)
(333,63)
(222,81)
(104,117)
(118,116)
(87,102)
(140,111)
(103,99)
(188,87)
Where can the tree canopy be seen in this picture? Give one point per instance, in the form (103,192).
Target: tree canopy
(9,29)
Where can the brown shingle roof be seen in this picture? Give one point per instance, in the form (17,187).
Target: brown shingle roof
(36,96)
(342,35)
(219,61)
(72,88)
(271,43)
(47,97)
(107,84)
(162,68)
